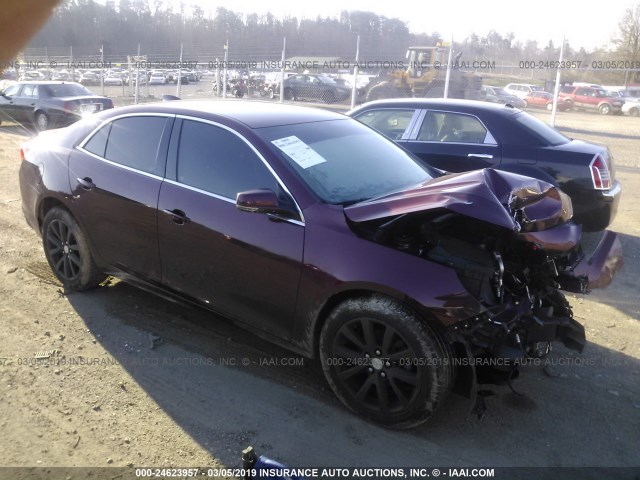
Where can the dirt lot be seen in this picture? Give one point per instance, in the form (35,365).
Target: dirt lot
(136,380)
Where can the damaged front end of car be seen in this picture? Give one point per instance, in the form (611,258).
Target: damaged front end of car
(511,241)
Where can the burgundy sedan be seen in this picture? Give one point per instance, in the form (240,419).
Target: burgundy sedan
(319,234)
(540,99)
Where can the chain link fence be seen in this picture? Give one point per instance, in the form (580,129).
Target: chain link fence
(336,79)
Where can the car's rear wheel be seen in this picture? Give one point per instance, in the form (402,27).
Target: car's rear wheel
(67,251)
(41,121)
(550,106)
(634,112)
(288,94)
(605,109)
(385,363)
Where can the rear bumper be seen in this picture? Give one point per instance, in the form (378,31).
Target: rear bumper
(602,259)
(601,266)
(597,210)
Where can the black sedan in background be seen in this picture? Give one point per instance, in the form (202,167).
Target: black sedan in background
(314,87)
(49,104)
(462,135)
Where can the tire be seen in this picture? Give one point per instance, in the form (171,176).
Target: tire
(67,251)
(604,109)
(525,104)
(288,94)
(399,370)
(329,97)
(272,93)
(634,112)
(550,106)
(41,121)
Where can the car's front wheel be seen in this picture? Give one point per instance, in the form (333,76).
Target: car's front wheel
(67,251)
(384,362)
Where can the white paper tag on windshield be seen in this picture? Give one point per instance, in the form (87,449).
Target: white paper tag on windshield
(300,152)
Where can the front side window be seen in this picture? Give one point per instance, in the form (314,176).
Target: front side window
(216,160)
(390,122)
(12,90)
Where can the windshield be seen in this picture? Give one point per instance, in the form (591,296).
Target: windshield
(67,90)
(343,161)
(548,135)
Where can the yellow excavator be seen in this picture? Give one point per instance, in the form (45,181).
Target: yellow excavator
(425,76)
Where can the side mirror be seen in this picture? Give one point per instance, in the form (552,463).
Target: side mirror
(261,201)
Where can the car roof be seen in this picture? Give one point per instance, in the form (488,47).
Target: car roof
(253,114)
(463,106)
(47,82)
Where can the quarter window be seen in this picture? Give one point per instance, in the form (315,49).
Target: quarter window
(390,122)
(217,161)
(97,144)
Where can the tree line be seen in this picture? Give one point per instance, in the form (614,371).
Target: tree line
(159,29)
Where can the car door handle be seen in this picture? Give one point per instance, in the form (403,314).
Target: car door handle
(178,216)
(86,183)
(480,155)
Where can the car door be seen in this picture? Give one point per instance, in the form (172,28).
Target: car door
(300,86)
(115,175)
(7,103)
(582,99)
(24,103)
(244,265)
(452,141)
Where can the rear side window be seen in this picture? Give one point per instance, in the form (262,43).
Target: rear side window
(217,161)
(453,128)
(30,91)
(390,122)
(134,142)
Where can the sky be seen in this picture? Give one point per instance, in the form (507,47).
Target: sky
(585,24)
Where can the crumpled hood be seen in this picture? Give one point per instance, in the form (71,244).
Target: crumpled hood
(505,199)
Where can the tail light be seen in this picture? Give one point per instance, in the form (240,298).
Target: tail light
(22,154)
(70,106)
(600,174)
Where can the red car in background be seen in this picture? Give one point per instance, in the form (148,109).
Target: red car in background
(542,99)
